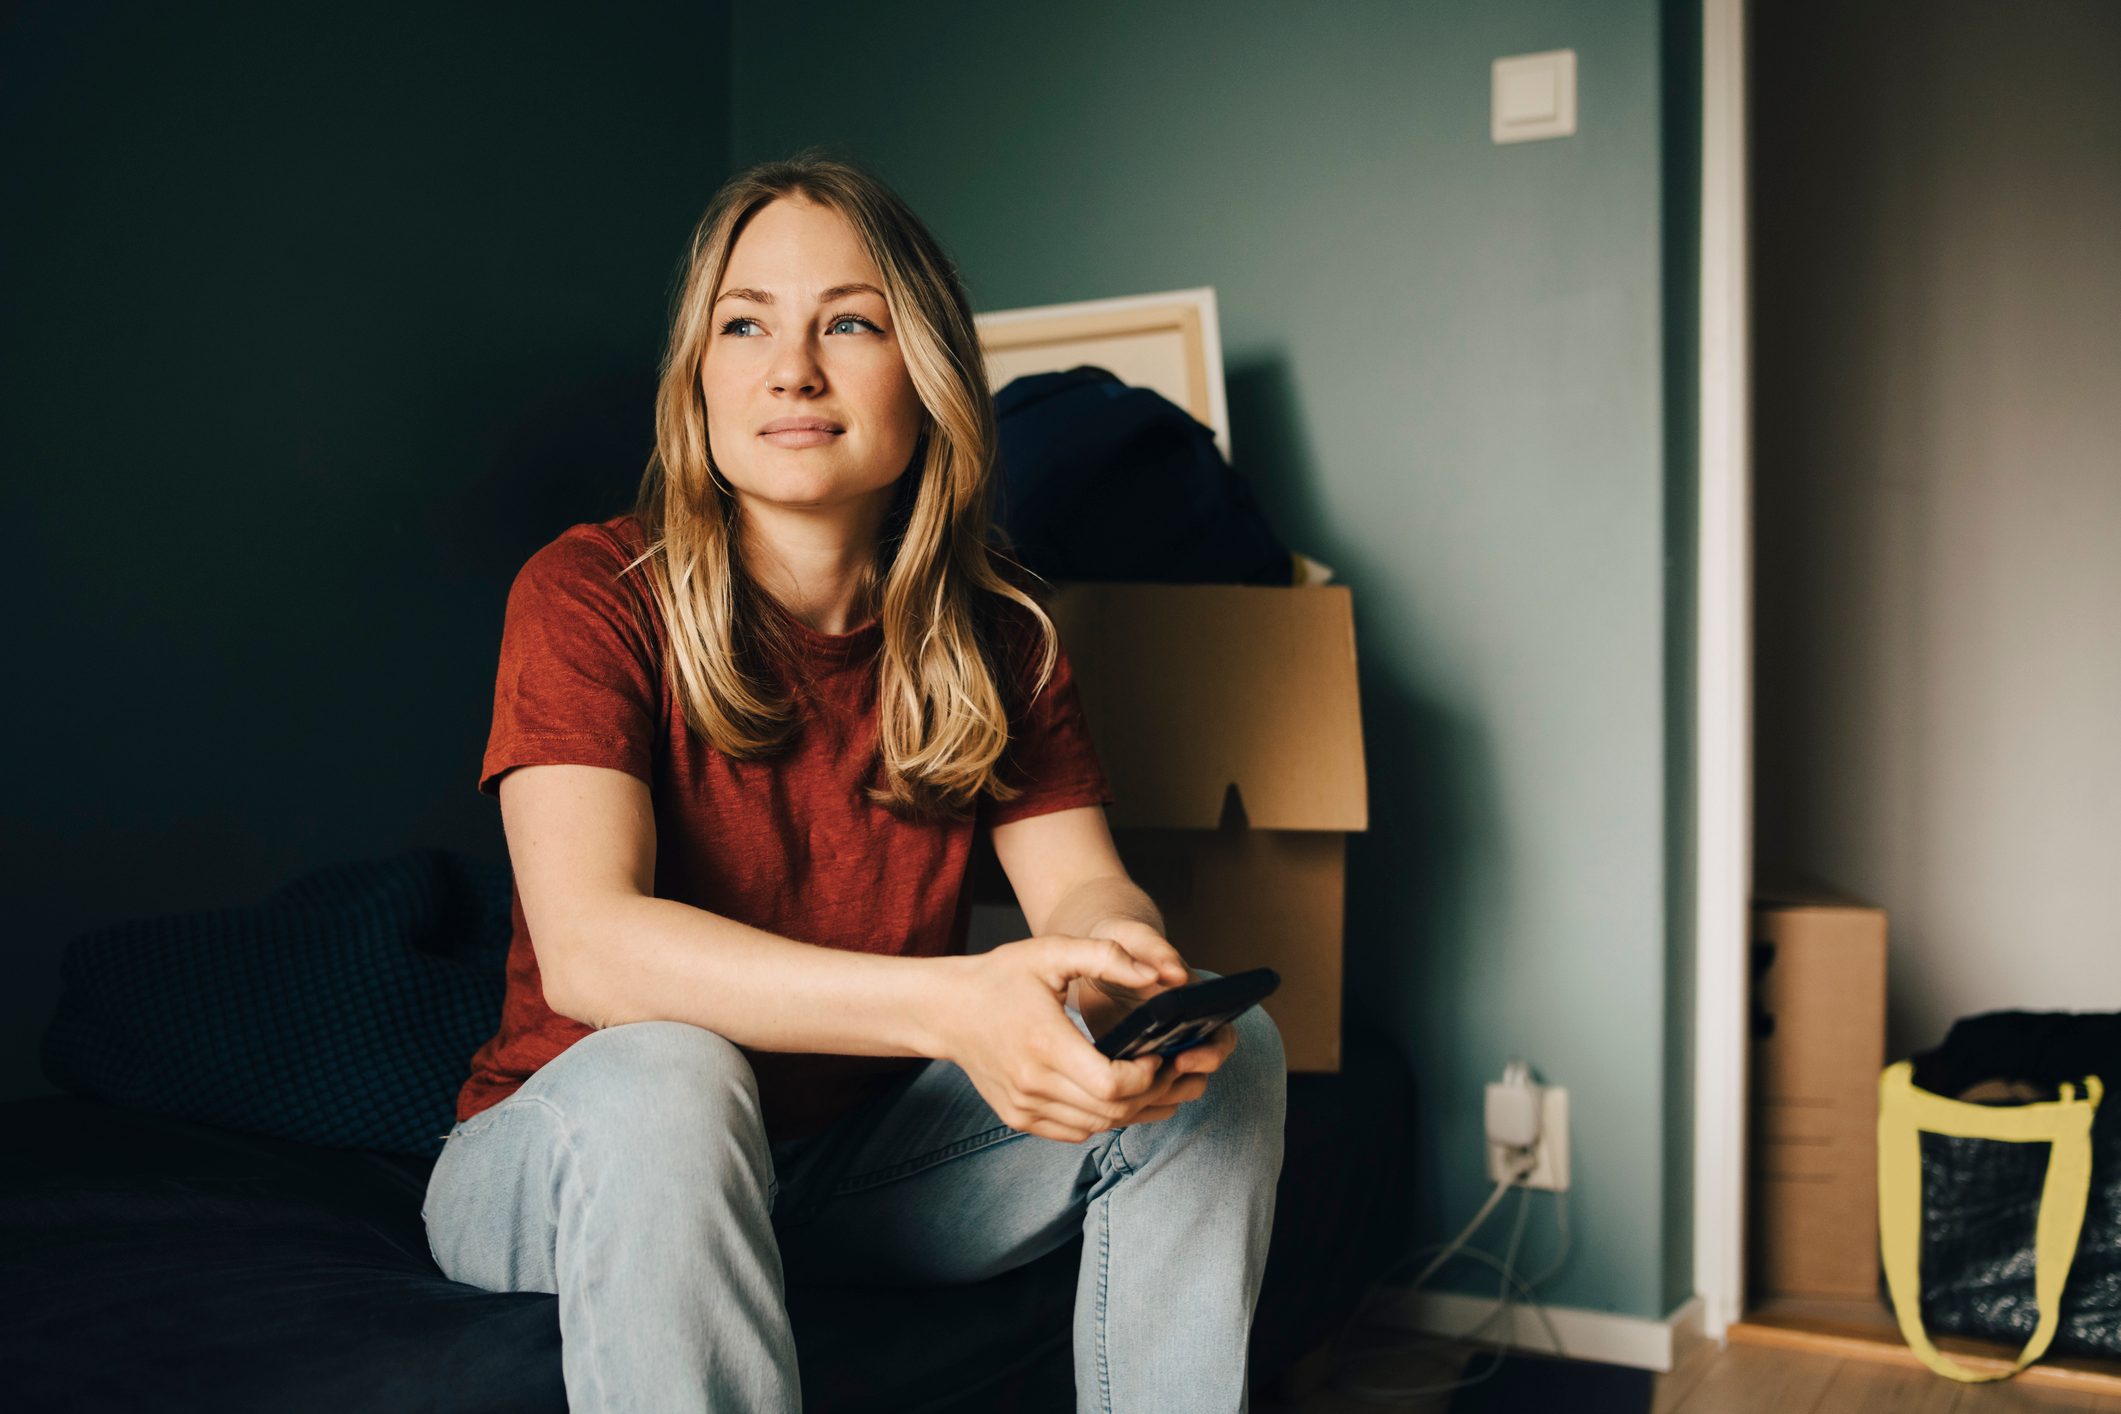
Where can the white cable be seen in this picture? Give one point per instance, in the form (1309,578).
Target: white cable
(1463,1237)
(1523,1287)
(1449,1248)
(1504,1297)
(1513,1288)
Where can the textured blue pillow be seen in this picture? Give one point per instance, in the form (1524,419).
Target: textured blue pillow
(343,1010)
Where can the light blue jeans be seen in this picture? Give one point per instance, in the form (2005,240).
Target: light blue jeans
(631,1175)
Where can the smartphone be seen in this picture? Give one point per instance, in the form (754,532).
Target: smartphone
(1183,1017)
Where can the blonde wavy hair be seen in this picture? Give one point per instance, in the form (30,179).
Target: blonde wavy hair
(943,700)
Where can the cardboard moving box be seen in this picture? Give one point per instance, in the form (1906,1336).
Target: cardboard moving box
(1818,1046)
(1227,719)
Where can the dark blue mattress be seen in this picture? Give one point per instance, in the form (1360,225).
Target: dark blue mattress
(157,1263)
(153,1263)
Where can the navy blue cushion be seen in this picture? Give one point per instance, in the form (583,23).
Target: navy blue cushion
(343,1010)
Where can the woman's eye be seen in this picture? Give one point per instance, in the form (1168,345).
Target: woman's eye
(838,325)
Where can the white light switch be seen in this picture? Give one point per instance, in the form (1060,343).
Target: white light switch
(1534,96)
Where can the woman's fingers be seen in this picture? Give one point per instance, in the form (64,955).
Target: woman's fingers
(1161,1100)
(1174,1092)
(1153,948)
(1095,957)
(1071,1123)
(1133,1078)
(1209,1054)
(1061,1115)
(1165,1100)
(1148,1080)
(1086,1076)
(1072,1126)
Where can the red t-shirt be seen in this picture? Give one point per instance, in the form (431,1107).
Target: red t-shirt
(789,844)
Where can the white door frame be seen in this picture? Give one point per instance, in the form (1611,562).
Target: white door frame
(1724,653)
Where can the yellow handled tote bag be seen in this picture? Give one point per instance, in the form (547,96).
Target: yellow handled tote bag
(1906,1112)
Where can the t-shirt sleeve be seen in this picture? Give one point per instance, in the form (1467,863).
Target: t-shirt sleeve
(1051,758)
(579,681)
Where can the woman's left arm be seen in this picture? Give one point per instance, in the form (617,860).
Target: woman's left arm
(1069,881)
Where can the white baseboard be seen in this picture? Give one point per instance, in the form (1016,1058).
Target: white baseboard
(1585,1335)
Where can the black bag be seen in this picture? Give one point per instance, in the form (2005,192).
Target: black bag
(1103,481)
(1981,1197)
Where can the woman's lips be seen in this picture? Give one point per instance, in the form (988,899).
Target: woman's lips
(800,437)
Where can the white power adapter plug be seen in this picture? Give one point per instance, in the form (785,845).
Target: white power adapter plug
(1513,1110)
(1527,1127)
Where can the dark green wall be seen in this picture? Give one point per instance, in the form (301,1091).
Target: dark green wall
(315,326)
(1447,369)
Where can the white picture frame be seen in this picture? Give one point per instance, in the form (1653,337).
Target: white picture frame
(1170,342)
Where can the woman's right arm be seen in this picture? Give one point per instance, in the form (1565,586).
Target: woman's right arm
(581,840)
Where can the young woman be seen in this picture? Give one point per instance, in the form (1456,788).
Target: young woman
(744,740)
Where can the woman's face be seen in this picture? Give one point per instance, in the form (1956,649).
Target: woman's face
(802,334)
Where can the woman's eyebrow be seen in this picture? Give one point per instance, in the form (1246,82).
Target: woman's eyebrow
(857,287)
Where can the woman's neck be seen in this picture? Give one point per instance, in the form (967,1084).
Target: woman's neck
(815,565)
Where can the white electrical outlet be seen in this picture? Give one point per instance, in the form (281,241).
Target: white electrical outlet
(1550,1157)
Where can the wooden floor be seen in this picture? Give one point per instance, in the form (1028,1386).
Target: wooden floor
(1742,1379)
(1736,1379)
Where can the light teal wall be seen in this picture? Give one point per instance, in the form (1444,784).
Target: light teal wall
(1446,374)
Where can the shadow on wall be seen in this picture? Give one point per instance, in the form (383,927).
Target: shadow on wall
(1272,455)
(1431,783)
(1410,893)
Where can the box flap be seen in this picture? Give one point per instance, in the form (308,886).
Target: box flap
(1219,703)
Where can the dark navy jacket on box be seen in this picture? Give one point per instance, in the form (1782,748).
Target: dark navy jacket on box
(1103,481)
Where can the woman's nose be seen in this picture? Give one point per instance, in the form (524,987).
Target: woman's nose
(795,365)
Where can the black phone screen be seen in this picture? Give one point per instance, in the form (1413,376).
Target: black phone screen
(1183,1017)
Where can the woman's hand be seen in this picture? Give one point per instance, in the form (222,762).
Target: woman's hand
(1006,1029)
(1102,1001)
(1104,1004)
